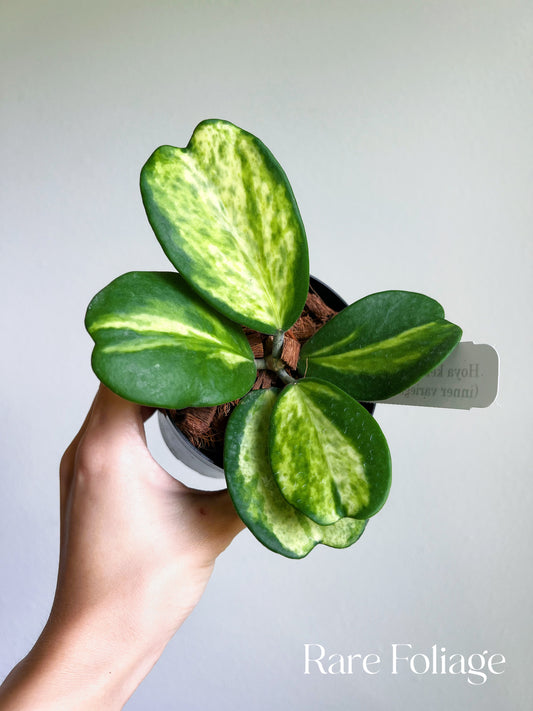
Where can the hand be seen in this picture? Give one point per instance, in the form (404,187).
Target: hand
(137,550)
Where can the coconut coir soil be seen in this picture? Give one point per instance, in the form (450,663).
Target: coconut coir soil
(204,427)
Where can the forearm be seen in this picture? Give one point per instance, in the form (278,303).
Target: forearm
(80,666)
(137,550)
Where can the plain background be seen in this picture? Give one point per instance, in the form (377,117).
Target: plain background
(405,130)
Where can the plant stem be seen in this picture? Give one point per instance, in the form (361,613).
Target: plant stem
(277,345)
(285,377)
(260,363)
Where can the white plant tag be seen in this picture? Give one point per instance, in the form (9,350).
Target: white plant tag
(467,378)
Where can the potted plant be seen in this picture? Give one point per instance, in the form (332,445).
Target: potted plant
(305,463)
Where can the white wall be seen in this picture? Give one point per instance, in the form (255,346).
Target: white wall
(405,129)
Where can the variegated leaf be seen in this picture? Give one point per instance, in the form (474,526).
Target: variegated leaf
(159,344)
(255,494)
(380,345)
(224,212)
(328,454)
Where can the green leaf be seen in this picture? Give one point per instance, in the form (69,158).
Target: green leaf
(224,213)
(380,345)
(255,494)
(159,344)
(328,454)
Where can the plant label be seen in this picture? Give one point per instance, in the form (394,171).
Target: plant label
(467,378)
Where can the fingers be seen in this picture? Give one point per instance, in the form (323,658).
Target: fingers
(66,467)
(147,412)
(231,520)
(118,417)
(107,412)
(112,441)
(220,517)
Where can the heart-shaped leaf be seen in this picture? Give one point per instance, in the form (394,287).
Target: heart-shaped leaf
(224,213)
(328,454)
(159,344)
(255,494)
(380,345)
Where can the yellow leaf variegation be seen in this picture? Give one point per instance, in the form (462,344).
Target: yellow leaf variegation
(224,212)
(158,343)
(328,454)
(380,345)
(304,465)
(254,491)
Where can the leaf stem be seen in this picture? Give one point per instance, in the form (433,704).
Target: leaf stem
(277,344)
(285,377)
(260,363)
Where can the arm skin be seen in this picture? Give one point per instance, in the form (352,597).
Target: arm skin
(137,550)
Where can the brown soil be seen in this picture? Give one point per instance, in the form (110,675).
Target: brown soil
(204,427)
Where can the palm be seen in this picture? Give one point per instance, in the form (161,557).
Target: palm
(129,527)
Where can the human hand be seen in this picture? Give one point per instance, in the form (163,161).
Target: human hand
(137,550)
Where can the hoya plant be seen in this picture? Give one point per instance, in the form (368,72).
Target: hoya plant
(305,462)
